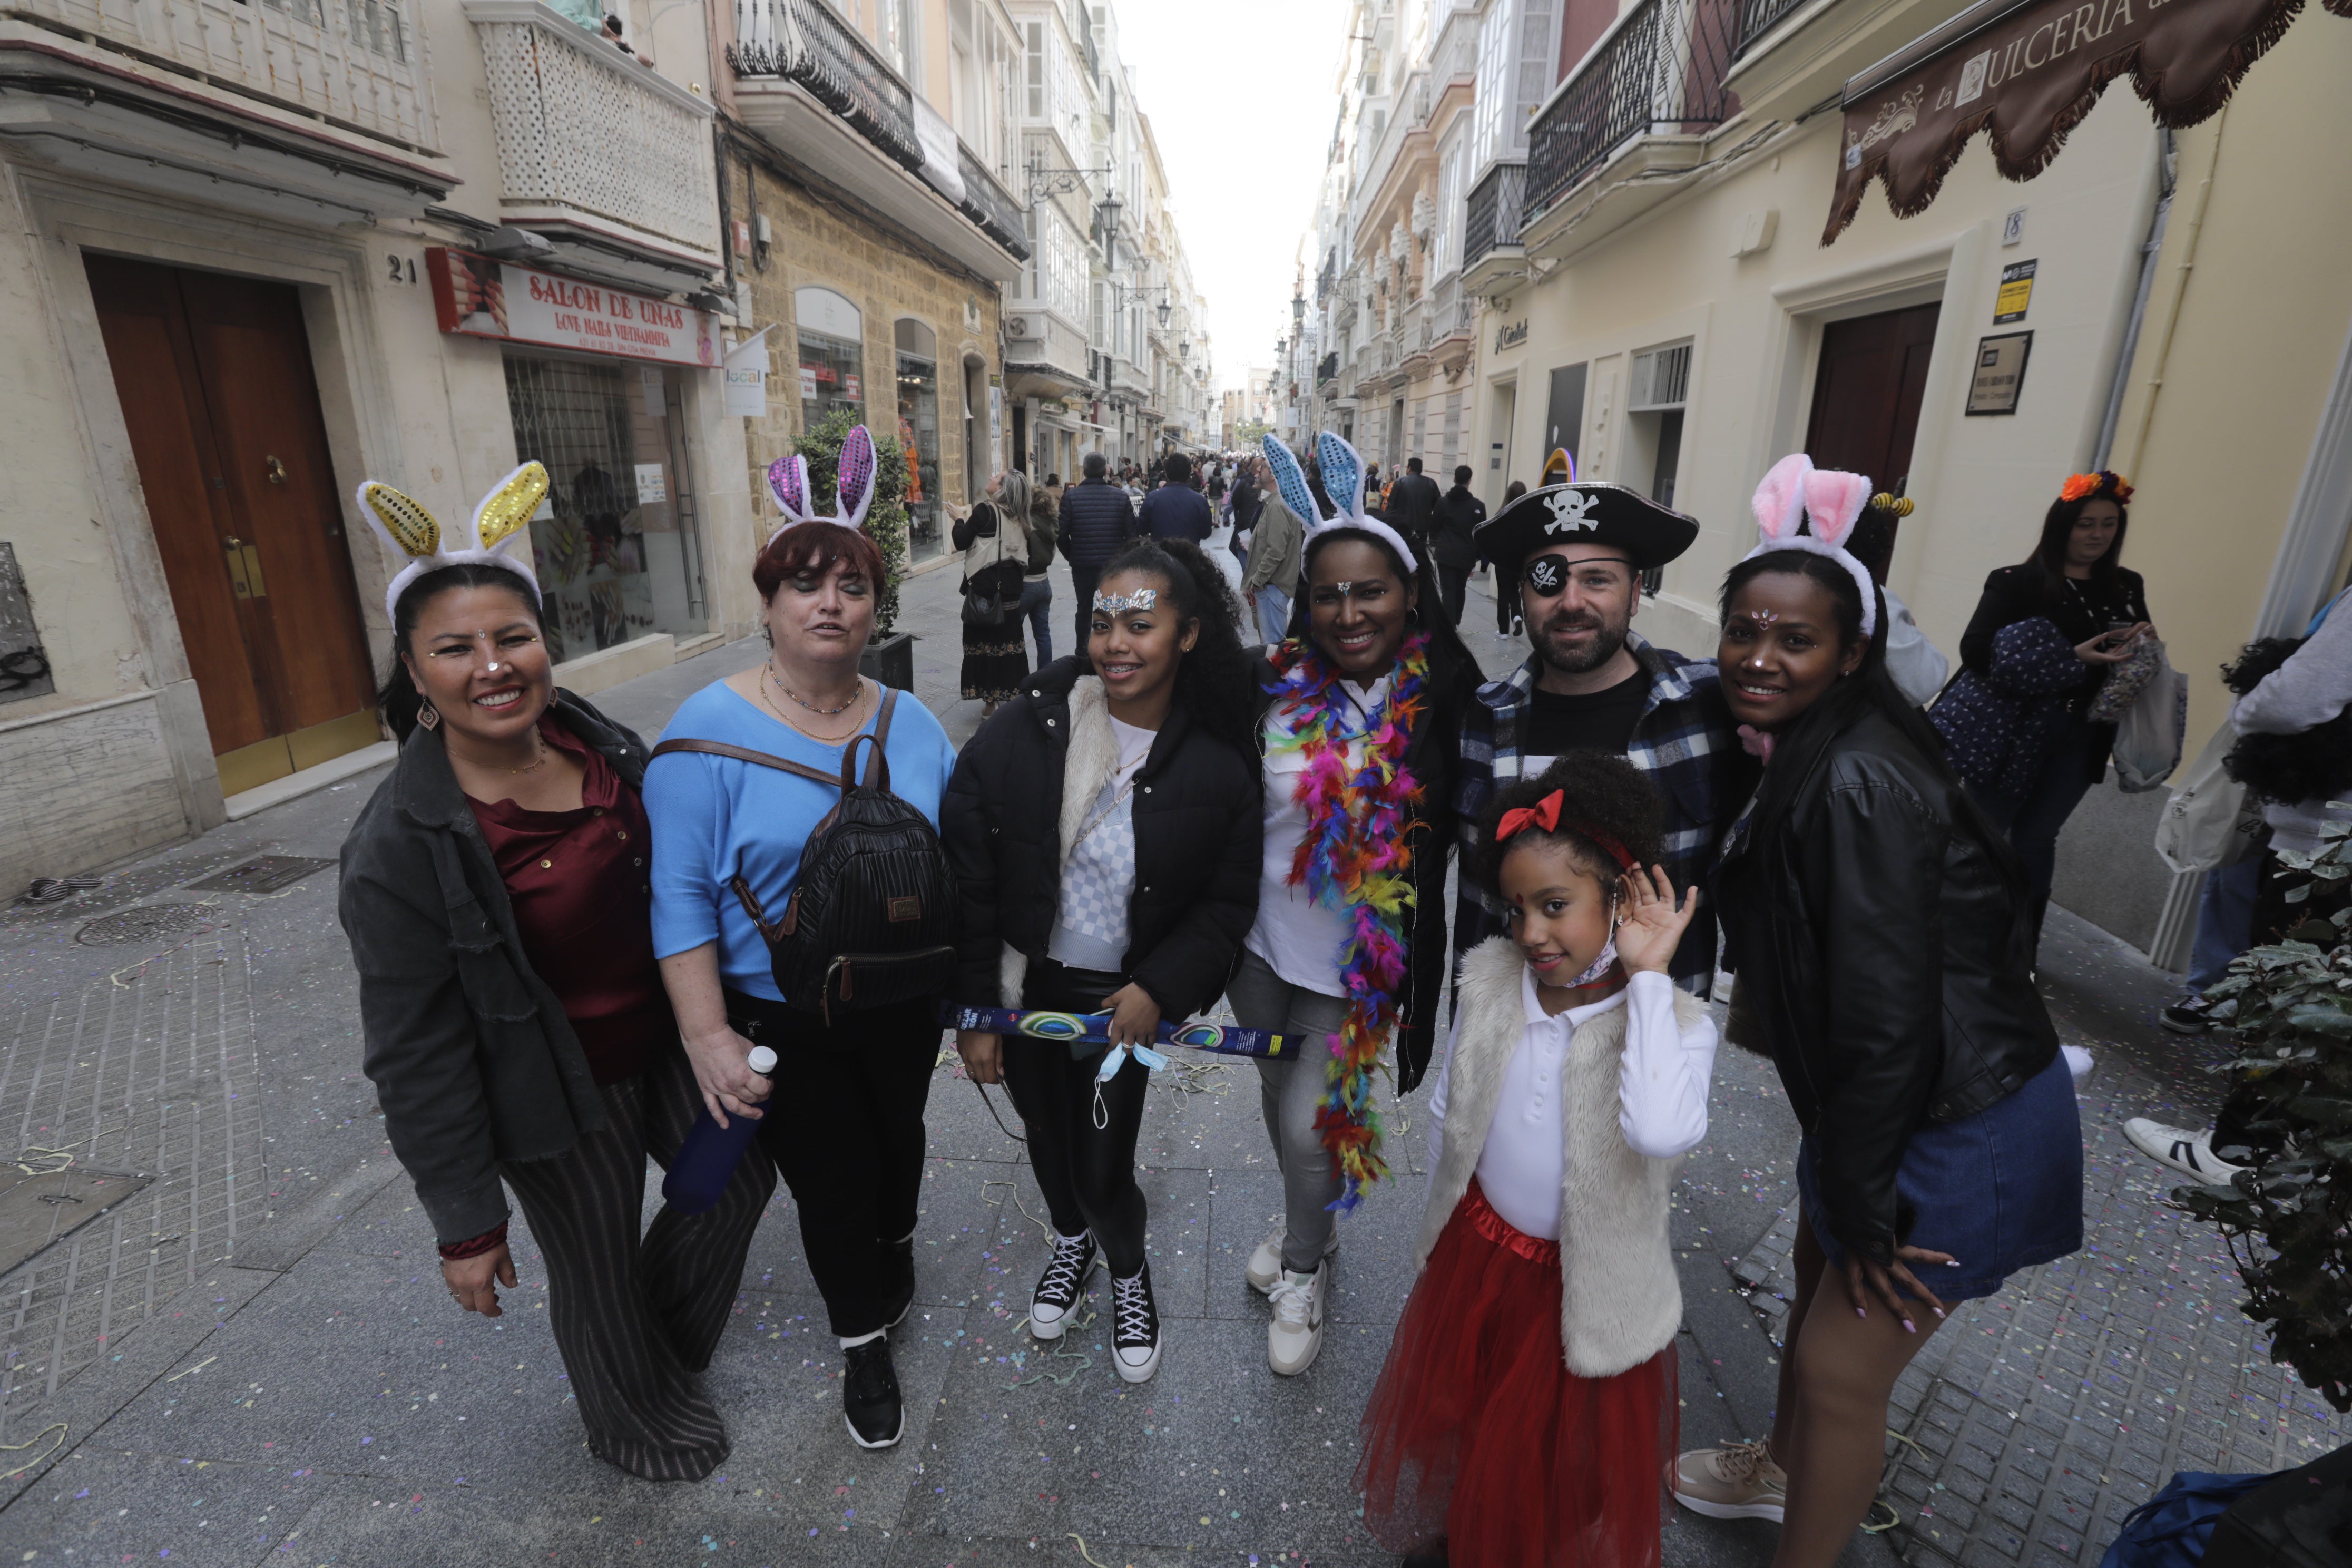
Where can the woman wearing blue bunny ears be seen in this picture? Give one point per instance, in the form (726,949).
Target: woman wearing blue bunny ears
(518,1033)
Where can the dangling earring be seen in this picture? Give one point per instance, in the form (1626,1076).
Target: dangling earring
(427,716)
(766,634)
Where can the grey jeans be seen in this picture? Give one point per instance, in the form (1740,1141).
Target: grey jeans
(1288,1093)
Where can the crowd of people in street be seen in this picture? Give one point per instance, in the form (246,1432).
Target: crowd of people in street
(1245,783)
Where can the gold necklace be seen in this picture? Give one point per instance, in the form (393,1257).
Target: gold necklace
(533,767)
(796,725)
(855,692)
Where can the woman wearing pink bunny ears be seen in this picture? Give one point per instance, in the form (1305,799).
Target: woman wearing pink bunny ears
(1879,926)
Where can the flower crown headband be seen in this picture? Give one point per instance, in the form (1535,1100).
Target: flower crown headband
(404,522)
(2103,481)
(1830,501)
(788,482)
(1343,481)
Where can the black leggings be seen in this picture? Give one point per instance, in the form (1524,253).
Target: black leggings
(1087,1173)
(845,1131)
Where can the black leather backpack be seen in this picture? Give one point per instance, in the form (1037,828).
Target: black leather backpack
(872,919)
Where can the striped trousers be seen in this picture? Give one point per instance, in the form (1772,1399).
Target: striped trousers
(637,1316)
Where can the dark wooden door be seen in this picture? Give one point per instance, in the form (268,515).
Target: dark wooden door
(213,376)
(1866,397)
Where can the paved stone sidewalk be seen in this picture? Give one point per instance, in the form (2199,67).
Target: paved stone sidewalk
(251,1361)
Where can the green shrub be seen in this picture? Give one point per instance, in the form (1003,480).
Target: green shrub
(2289,1007)
(886,518)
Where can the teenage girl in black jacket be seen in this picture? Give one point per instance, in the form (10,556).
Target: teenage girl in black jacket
(1104,827)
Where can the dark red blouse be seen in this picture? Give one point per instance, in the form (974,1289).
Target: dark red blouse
(580,888)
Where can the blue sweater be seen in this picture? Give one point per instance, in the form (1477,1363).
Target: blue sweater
(714,816)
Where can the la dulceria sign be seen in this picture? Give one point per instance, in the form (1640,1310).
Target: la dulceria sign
(482,297)
(2026,72)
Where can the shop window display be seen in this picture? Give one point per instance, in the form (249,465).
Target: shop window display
(919,436)
(615,544)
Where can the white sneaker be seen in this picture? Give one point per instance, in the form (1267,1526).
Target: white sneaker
(1265,1263)
(1296,1336)
(1738,1480)
(2191,1153)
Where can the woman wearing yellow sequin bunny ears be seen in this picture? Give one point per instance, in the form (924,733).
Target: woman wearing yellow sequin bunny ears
(496,894)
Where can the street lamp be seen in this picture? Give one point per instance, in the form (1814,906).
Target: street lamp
(1165,309)
(1299,309)
(1107,212)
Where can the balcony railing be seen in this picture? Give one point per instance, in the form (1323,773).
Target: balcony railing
(1328,368)
(584,132)
(803,42)
(989,204)
(1452,313)
(1658,72)
(1493,215)
(352,61)
(1758,17)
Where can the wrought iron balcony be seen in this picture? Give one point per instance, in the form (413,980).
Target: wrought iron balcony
(1492,217)
(1659,72)
(989,204)
(805,42)
(1758,17)
(1327,369)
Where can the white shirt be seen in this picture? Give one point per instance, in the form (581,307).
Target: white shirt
(1916,665)
(1662,1085)
(2311,688)
(1299,939)
(1098,880)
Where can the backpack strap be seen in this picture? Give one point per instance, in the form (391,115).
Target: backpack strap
(742,755)
(878,762)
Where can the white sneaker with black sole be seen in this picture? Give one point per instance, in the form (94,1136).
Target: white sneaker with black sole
(2191,1153)
(1063,1285)
(1135,1334)
(1265,1263)
(1296,1336)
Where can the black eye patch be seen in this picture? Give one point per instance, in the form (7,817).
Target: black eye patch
(1546,575)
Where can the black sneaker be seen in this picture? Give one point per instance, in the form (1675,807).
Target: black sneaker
(2186,1017)
(1135,1337)
(1431,1556)
(897,1281)
(1063,1285)
(869,1395)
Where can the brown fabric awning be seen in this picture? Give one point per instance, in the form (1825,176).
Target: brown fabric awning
(2029,70)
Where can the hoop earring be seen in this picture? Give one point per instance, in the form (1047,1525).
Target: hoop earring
(427,716)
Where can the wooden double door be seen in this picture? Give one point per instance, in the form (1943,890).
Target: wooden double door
(214,375)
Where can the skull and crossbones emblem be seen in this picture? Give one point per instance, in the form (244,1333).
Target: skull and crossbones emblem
(1570,510)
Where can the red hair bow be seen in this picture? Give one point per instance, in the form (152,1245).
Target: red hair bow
(1545,814)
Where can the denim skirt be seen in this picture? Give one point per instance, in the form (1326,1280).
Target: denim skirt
(2000,1191)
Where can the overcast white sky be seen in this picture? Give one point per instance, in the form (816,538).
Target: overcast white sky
(1240,96)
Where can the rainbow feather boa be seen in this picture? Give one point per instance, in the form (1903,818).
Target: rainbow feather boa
(1355,857)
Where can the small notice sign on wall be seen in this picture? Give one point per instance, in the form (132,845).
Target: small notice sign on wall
(1999,373)
(652,485)
(2016,292)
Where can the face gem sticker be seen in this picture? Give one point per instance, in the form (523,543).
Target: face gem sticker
(1547,576)
(1116,603)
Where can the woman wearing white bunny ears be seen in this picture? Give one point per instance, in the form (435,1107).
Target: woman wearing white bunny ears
(855,1162)
(1879,926)
(494,891)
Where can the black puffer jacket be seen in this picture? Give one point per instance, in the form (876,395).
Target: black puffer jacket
(1431,757)
(1098,520)
(1880,938)
(1197,837)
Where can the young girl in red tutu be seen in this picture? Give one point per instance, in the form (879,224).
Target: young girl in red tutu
(1527,1412)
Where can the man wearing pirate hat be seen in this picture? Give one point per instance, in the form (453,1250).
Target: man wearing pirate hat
(1573,555)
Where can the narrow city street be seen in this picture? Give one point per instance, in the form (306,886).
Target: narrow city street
(251,1359)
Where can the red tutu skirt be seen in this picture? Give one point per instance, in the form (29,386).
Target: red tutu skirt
(1477,1431)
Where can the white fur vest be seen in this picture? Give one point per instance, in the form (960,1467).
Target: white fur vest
(1091,760)
(1620,1301)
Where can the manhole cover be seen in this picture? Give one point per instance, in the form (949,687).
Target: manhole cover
(140,922)
(265,874)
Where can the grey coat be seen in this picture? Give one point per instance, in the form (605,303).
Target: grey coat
(472,1058)
(1278,549)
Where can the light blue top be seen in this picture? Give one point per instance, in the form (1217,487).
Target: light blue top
(714,816)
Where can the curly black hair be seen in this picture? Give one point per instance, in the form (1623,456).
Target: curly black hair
(1212,681)
(1599,789)
(2314,764)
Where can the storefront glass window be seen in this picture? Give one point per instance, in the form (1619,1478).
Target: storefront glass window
(831,377)
(616,545)
(918,435)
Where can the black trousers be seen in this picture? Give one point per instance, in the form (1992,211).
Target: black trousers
(1453,586)
(636,1316)
(1081,594)
(845,1131)
(1087,1172)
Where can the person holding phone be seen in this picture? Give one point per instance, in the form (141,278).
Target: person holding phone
(2019,722)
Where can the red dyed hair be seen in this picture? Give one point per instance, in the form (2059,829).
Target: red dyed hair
(811,548)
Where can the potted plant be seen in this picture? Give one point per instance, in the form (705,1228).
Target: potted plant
(2289,1006)
(890,657)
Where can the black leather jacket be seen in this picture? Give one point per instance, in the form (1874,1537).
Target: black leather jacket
(1432,757)
(1882,940)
